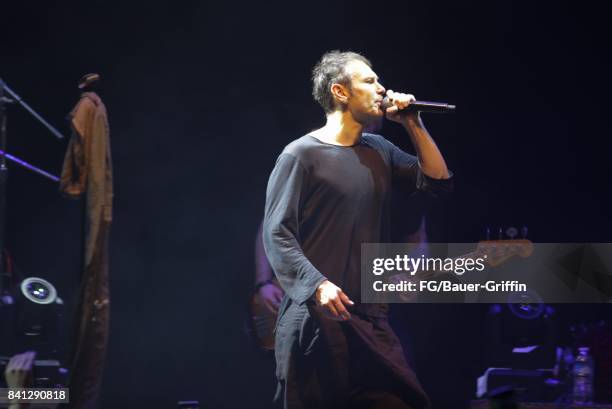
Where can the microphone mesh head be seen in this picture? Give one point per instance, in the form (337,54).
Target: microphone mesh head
(386,103)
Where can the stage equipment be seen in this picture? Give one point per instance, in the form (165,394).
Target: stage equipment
(4,100)
(529,385)
(520,350)
(38,290)
(39,316)
(34,321)
(520,336)
(527,305)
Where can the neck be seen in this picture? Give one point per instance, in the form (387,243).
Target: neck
(341,129)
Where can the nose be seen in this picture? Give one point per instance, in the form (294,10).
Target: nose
(380,89)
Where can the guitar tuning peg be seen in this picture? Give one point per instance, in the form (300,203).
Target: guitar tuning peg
(511,232)
(524,231)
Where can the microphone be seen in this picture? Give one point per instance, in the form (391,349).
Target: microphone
(421,106)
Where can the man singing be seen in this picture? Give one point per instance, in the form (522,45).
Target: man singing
(328,193)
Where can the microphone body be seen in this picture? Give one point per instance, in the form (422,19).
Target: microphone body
(422,106)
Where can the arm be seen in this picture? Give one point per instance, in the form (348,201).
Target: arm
(281,233)
(301,281)
(431,160)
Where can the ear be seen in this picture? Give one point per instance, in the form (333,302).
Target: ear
(340,93)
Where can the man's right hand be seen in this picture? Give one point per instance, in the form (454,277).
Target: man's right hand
(333,301)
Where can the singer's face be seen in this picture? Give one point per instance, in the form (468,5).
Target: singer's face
(365,93)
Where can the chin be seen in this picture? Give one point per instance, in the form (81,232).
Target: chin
(368,117)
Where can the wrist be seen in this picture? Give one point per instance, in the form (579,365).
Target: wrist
(412,120)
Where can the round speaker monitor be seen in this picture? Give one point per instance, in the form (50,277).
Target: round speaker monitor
(38,290)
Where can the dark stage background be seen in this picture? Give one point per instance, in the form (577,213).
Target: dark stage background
(202,97)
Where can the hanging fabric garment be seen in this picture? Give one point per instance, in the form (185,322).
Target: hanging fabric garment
(87,170)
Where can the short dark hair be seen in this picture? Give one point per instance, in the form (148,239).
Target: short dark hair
(329,70)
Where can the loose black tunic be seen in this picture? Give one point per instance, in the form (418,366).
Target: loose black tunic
(322,202)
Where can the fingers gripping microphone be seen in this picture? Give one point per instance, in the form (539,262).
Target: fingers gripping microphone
(422,106)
